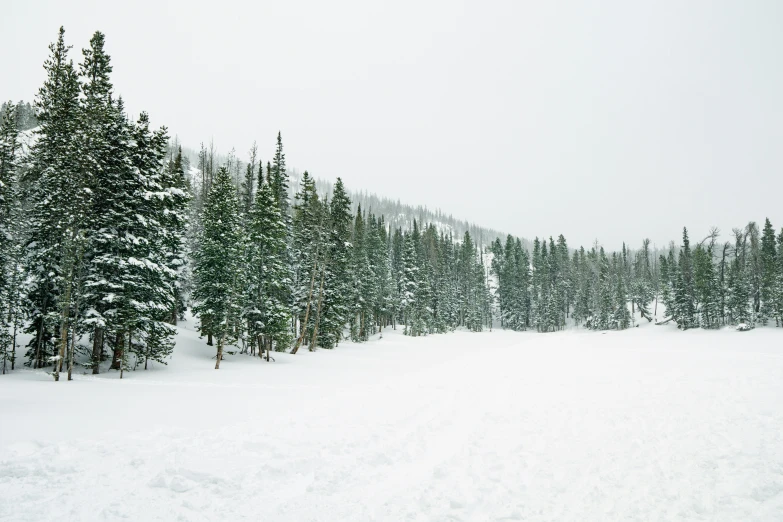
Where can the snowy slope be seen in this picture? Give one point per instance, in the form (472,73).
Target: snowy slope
(645,424)
(398,214)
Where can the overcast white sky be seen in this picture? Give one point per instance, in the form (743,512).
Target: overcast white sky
(612,120)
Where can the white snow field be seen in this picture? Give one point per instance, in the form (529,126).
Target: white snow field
(646,424)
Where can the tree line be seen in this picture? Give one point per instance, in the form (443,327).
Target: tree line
(107,236)
(274,275)
(712,285)
(23,114)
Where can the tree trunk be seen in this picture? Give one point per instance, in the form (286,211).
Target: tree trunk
(122,355)
(13,347)
(97,349)
(41,332)
(219,351)
(314,339)
(58,363)
(117,355)
(307,309)
(72,351)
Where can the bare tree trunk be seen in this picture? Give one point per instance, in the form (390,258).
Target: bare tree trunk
(722,275)
(97,349)
(129,347)
(13,348)
(41,332)
(58,363)
(307,309)
(13,341)
(73,341)
(219,351)
(314,339)
(117,355)
(75,315)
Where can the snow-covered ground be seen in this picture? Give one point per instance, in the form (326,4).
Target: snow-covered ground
(647,424)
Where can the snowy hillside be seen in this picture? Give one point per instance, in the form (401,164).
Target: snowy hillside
(396,213)
(399,214)
(645,424)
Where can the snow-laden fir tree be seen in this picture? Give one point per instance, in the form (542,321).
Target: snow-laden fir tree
(309,255)
(177,194)
(768,272)
(11,230)
(335,307)
(738,284)
(266,278)
(362,298)
(409,283)
(706,290)
(218,264)
(777,291)
(55,192)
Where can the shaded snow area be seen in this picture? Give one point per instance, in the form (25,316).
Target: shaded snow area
(647,424)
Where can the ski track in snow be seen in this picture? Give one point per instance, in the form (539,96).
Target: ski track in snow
(648,424)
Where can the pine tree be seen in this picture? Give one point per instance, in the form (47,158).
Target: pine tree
(380,267)
(706,287)
(158,202)
(267,311)
(621,318)
(777,293)
(642,290)
(410,287)
(739,288)
(335,311)
(10,238)
(564,282)
(309,252)
(499,266)
(279,178)
(603,308)
(362,291)
(397,249)
(177,195)
(768,272)
(55,196)
(218,264)
(754,270)
(583,298)
(248,188)
(683,288)
(111,179)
